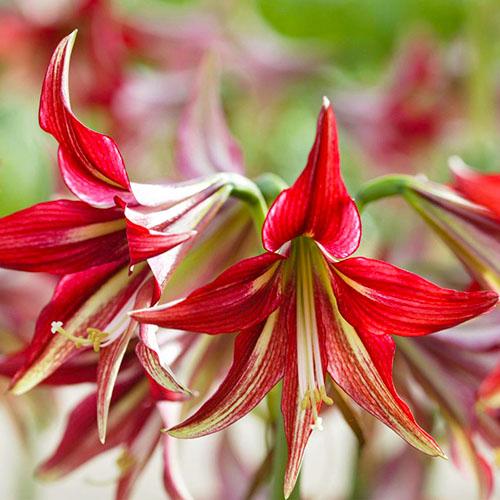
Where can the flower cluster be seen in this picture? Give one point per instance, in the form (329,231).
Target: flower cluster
(155,281)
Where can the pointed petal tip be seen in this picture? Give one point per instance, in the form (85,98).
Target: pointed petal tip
(326,102)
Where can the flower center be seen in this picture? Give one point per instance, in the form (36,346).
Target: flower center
(310,367)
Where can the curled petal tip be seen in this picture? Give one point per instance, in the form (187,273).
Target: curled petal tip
(456,164)
(326,102)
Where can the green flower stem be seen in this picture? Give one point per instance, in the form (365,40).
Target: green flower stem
(246,190)
(271,186)
(280,452)
(382,187)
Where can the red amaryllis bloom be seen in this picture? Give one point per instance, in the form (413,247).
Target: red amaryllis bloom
(466,218)
(304,309)
(450,368)
(106,246)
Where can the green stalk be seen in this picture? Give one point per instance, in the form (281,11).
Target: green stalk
(246,190)
(383,187)
(280,454)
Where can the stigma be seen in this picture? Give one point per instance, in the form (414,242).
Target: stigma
(312,391)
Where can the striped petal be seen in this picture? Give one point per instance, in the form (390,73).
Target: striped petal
(480,188)
(318,204)
(90,163)
(378,298)
(361,364)
(239,298)
(62,237)
(149,354)
(205,144)
(82,300)
(188,216)
(257,367)
(298,421)
(145,243)
(110,360)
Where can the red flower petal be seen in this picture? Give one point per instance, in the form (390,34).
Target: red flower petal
(242,296)
(149,354)
(361,364)
(205,144)
(191,214)
(62,237)
(80,443)
(257,367)
(298,422)
(318,204)
(145,243)
(90,163)
(482,189)
(87,299)
(378,298)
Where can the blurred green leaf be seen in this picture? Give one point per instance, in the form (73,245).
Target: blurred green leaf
(25,176)
(362,32)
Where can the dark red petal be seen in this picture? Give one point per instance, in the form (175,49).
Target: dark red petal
(87,299)
(62,237)
(318,204)
(361,364)
(378,298)
(90,163)
(242,296)
(257,367)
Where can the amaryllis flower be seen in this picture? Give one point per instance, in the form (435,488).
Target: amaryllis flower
(106,246)
(450,368)
(466,216)
(395,122)
(304,309)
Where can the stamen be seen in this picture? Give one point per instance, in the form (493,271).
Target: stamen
(312,389)
(94,339)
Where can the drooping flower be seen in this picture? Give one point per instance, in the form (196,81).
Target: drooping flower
(466,217)
(305,309)
(450,368)
(106,246)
